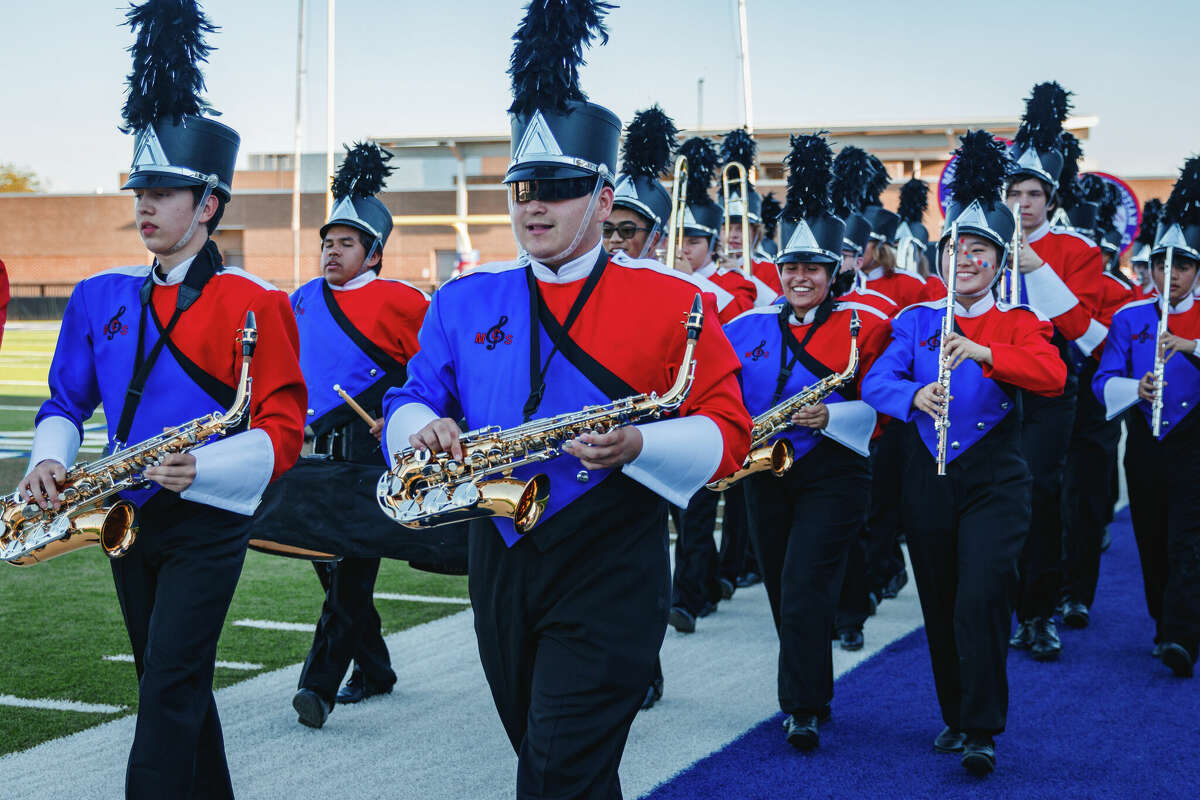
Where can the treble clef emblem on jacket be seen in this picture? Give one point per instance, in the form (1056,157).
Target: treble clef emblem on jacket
(759,351)
(495,334)
(114,326)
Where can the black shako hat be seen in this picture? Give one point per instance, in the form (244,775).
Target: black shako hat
(701,216)
(556,133)
(174,144)
(739,147)
(809,230)
(359,178)
(1075,210)
(1144,241)
(645,155)
(771,209)
(975,200)
(884,223)
(852,173)
(1036,150)
(1180,224)
(914,199)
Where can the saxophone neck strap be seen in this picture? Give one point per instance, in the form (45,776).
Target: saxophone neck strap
(798,351)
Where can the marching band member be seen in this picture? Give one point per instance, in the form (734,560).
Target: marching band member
(640,220)
(803,523)
(739,147)
(570,616)
(156,345)
(1060,278)
(881,271)
(1160,470)
(357,331)
(965,529)
(1142,245)
(767,246)
(911,236)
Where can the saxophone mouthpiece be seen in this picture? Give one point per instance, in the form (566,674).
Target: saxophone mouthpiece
(695,318)
(249,334)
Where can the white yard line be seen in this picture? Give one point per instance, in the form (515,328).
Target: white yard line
(59,705)
(423,598)
(244,666)
(269,625)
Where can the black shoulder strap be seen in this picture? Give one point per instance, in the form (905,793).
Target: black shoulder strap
(601,376)
(212,386)
(798,351)
(395,370)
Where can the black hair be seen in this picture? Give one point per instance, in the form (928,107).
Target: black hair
(197,193)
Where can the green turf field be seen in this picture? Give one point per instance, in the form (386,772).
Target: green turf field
(58,620)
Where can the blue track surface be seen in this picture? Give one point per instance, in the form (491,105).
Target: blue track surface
(1106,721)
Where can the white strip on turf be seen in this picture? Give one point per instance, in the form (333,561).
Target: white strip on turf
(244,666)
(437,735)
(59,705)
(269,625)
(423,598)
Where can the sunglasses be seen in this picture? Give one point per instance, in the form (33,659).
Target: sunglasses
(549,190)
(625,230)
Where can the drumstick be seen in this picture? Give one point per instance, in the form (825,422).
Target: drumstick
(357,408)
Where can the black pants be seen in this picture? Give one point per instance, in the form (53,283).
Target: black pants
(1045,435)
(735,535)
(965,533)
(1165,508)
(882,555)
(349,628)
(1087,491)
(802,525)
(569,622)
(695,580)
(174,587)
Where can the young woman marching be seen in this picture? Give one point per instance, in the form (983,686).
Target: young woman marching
(803,522)
(966,526)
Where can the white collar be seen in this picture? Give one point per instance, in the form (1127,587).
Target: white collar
(175,275)
(1185,304)
(707,271)
(357,282)
(1039,232)
(809,316)
(873,274)
(574,270)
(981,307)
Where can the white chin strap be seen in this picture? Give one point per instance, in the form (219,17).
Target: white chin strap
(583,225)
(647,248)
(209,185)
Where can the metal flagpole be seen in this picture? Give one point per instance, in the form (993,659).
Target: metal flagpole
(745,59)
(329,109)
(296,154)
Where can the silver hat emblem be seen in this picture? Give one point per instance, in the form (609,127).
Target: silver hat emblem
(538,140)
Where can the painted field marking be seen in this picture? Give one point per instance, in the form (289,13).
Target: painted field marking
(244,666)
(22,383)
(269,625)
(59,705)
(421,598)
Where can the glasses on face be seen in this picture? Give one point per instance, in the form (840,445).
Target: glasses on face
(624,230)
(551,189)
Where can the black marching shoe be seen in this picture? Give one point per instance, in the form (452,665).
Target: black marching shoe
(1177,658)
(950,740)
(1075,614)
(801,731)
(708,608)
(898,582)
(1022,639)
(682,620)
(727,588)
(358,688)
(1046,644)
(311,709)
(851,638)
(654,693)
(979,754)
(748,579)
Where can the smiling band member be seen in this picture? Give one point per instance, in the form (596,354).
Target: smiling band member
(1162,471)
(569,617)
(965,529)
(156,346)
(803,523)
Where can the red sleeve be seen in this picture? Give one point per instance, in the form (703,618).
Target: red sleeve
(768,273)
(717,395)
(278,396)
(1024,357)
(872,341)
(934,289)
(1082,269)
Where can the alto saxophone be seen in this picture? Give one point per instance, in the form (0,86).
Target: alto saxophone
(32,535)
(779,456)
(424,490)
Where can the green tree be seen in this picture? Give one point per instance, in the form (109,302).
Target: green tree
(13,179)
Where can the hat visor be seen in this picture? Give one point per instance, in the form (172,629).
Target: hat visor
(358,226)
(147,179)
(545,171)
(807,257)
(975,230)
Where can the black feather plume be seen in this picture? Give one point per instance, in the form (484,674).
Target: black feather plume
(851,174)
(979,173)
(1151,216)
(914,199)
(549,52)
(1092,187)
(739,146)
(878,182)
(649,143)
(810,173)
(1046,109)
(167,51)
(362,171)
(702,166)
(771,209)
(1183,206)
(1072,151)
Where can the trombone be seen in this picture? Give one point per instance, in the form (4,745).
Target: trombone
(679,181)
(743,187)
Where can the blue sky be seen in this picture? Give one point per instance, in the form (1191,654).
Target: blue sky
(406,67)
